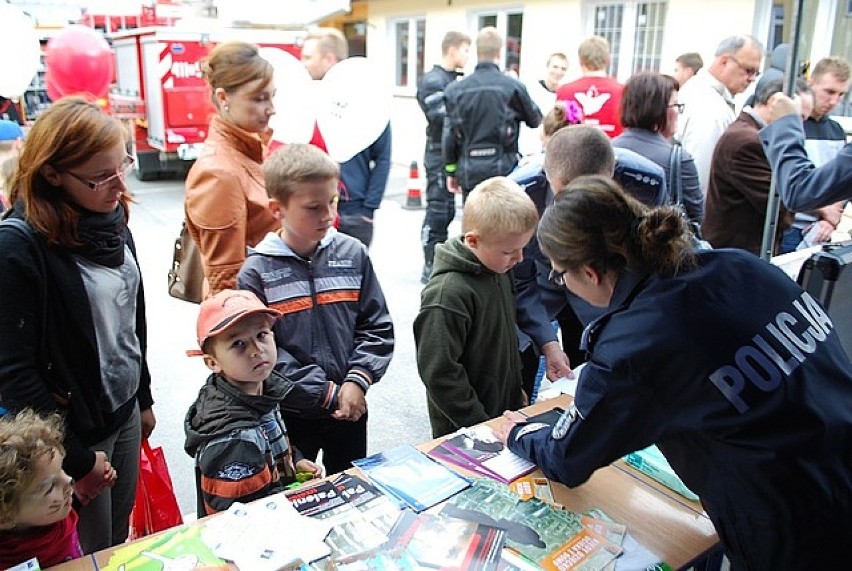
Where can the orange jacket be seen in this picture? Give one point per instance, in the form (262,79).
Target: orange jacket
(226,203)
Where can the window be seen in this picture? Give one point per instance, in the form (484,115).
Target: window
(510,25)
(634,31)
(410,41)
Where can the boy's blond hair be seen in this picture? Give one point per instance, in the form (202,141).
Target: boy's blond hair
(294,164)
(498,206)
(24,439)
(593,53)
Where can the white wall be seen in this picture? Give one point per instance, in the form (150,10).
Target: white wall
(549,25)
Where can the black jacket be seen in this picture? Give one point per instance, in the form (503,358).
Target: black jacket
(430,97)
(480,135)
(48,347)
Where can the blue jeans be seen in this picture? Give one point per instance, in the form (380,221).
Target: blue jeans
(790,240)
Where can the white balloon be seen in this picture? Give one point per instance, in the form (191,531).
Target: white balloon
(295,100)
(354,107)
(20,46)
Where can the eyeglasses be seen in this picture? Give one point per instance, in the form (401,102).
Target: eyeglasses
(678,106)
(751,72)
(99,185)
(557,278)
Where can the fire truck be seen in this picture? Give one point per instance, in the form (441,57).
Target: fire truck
(161,95)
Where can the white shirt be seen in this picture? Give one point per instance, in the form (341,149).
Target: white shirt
(707,113)
(529,140)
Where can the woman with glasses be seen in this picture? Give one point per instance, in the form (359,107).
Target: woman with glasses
(72,309)
(226,202)
(649,113)
(719,359)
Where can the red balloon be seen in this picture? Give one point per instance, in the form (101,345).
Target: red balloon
(79,60)
(52,91)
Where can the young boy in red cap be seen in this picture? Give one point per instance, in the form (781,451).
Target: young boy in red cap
(234,429)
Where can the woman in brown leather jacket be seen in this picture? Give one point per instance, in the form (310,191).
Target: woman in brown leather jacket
(226,202)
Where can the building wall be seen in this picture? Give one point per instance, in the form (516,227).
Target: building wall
(559,25)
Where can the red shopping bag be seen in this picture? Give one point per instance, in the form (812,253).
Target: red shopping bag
(156,507)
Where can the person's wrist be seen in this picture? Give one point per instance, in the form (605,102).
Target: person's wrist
(359,378)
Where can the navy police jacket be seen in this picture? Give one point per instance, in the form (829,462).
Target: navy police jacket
(738,376)
(538,300)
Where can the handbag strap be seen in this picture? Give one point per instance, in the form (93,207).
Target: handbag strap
(675,182)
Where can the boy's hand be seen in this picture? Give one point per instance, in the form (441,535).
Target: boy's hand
(556,361)
(351,404)
(305,465)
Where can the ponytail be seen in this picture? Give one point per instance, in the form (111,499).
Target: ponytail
(593,222)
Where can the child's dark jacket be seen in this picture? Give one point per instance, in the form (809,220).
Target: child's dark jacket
(467,343)
(239,443)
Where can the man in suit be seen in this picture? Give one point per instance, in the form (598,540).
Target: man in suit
(740,176)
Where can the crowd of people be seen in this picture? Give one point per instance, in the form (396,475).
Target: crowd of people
(735,372)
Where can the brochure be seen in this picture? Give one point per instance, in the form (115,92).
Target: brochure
(533,528)
(443,542)
(587,551)
(266,535)
(411,476)
(651,461)
(180,546)
(363,523)
(480,446)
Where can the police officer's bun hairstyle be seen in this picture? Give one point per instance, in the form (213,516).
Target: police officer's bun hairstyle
(593,222)
(233,64)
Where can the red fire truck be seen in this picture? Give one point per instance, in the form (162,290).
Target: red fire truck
(163,97)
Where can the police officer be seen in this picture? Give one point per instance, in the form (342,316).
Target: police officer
(720,359)
(440,203)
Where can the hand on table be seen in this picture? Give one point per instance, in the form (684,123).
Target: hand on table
(509,421)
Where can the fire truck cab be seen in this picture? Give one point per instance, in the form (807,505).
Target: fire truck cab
(162,96)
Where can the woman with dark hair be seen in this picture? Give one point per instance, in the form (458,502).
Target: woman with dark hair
(226,202)
(719,359)
(649,113)
(72,309)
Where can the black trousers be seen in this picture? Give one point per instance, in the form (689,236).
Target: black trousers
(341,441)
(440,204)
(572,332)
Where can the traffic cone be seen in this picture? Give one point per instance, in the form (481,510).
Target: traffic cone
(413,199)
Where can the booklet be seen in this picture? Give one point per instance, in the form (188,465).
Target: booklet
(443,453)
(587,551)
(533,528)
(480,446)
(651,461)
(444,542)
(181,546)
(411,476)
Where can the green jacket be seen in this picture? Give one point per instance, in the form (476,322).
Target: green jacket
(467,344)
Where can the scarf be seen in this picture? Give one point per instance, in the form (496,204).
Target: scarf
(102,237)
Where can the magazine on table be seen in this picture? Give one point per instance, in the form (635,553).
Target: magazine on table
(435,541)
(416,480)
(489,456)
(533,528)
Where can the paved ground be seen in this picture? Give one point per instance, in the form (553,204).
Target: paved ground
(397,406)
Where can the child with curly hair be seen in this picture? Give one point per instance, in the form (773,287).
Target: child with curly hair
(36,518)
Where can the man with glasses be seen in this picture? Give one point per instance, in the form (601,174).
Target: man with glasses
(708,99)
